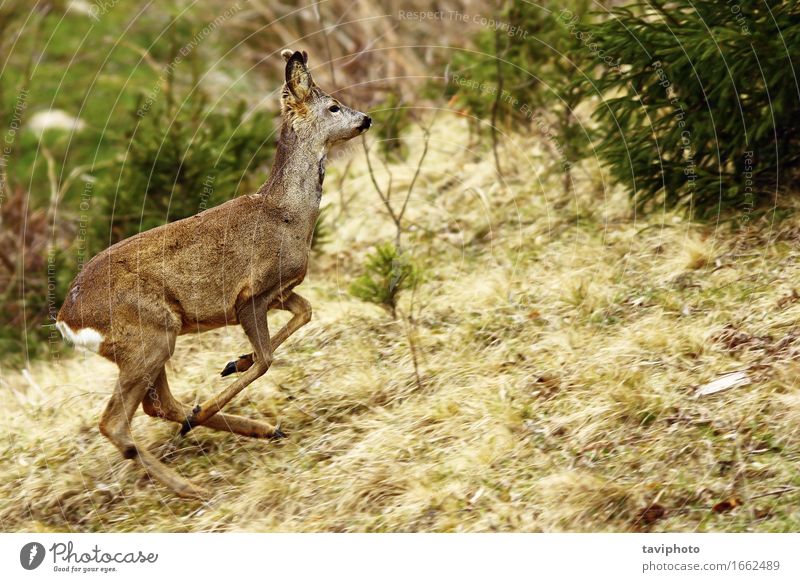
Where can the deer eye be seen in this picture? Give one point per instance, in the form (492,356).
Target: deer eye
(333,108)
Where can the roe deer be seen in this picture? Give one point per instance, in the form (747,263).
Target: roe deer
(228,264)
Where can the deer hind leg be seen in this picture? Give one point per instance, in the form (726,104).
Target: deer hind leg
(253,319)
(301,312)
(115,425)
(160,402)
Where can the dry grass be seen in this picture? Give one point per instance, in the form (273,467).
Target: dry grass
(365,50)
(560,345)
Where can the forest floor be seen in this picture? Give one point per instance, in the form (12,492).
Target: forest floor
(561,341)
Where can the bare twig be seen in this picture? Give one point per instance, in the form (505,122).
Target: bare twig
(411,331)
(567,171)
(781,491)
(411,336)
(385,196)
(52,179)
(496,104)
(326,38)
(57,190)
(413,181)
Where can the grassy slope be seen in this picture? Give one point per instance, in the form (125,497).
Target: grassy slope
(560,345)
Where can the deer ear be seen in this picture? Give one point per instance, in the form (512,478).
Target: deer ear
(298,79)
(286,54)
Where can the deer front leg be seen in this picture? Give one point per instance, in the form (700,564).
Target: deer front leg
(301,311)
(253,319)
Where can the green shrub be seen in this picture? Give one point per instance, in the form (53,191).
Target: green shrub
(179,164)
(387,272)
(702,112)
(522,75)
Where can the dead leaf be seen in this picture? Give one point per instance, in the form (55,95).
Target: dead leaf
(788,299)
(546,386)
(735,340)
(732,338)
(725,382)
(727,505)
(477,496)
(650,514)
(762,513)
(785,342)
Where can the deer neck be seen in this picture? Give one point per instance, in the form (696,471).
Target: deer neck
(297,172)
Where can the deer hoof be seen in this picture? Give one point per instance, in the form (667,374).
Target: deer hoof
(188,424)
(229,369)
(241,364)
(277,434)
(186,427)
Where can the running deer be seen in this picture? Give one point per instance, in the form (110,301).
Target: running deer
(229,264)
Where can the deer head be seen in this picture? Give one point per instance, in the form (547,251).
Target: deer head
(315,116)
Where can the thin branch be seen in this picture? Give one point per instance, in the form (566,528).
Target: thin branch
(57,190)
(496,104)
(52,179)
(411,331)
(781,491)
(389,188)
(384,197)
(414,180)
(326,38)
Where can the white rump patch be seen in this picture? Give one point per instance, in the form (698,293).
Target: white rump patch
(86,338)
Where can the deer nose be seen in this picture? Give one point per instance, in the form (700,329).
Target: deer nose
(366,123)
